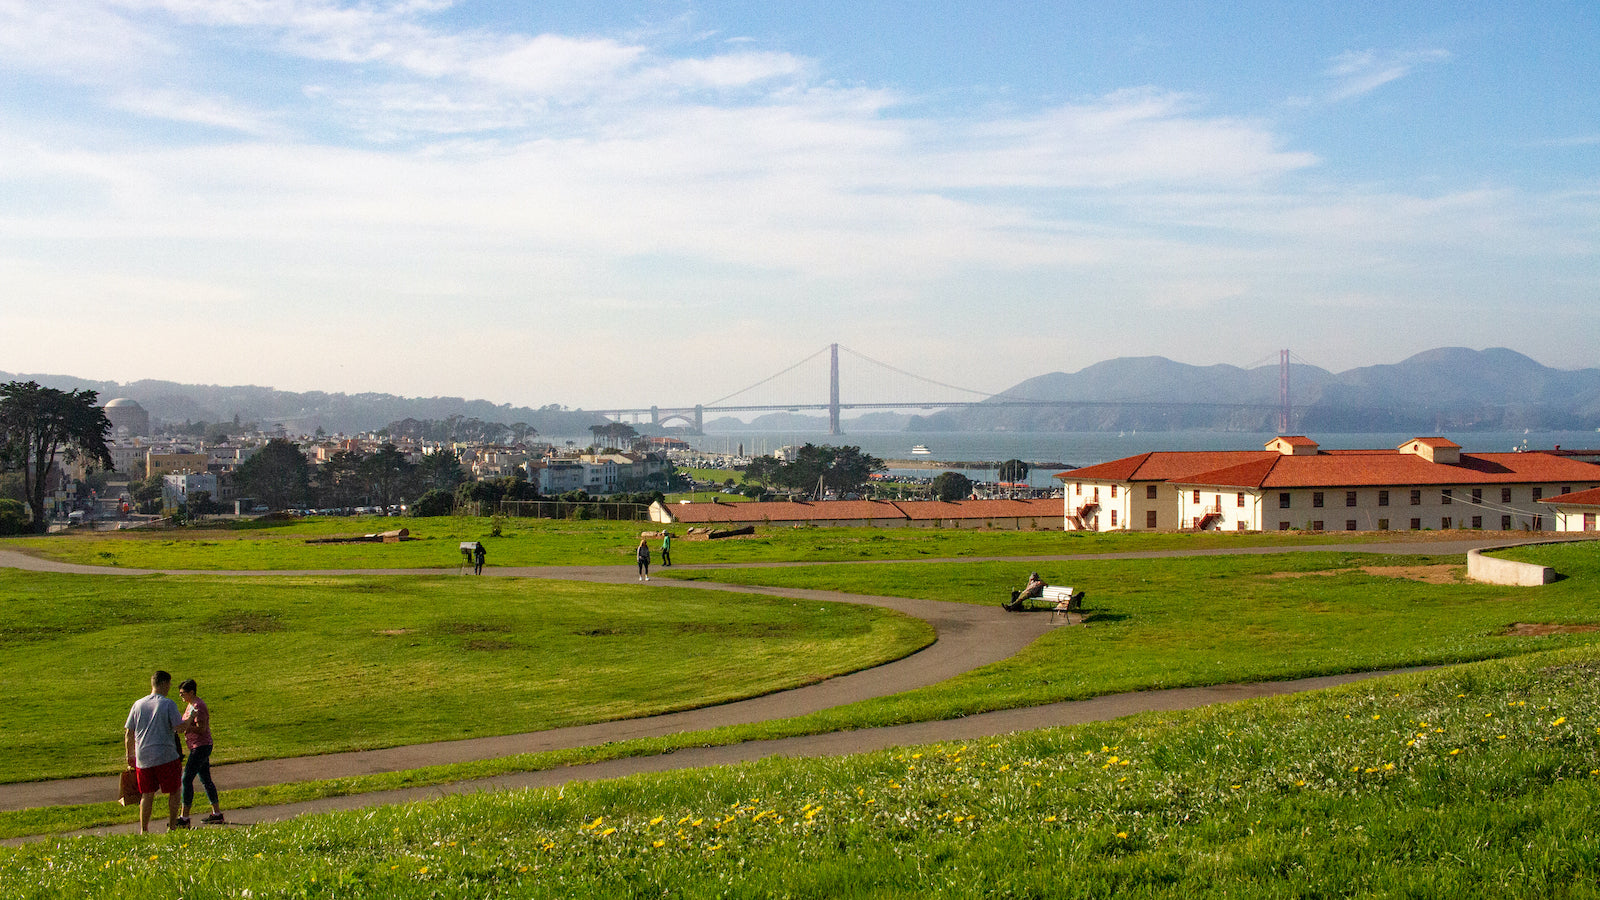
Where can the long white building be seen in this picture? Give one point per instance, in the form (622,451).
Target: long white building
(1425,483)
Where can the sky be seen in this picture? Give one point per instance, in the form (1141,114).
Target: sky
(665,202)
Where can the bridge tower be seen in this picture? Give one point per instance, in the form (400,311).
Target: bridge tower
(1283,392)
(833,390)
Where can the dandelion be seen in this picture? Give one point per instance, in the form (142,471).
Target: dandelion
(1455,751)
(1558,721)
(1122,835)
(658,844)
(657,820)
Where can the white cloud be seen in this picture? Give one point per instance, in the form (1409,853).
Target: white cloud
(198,109)
(1359,72)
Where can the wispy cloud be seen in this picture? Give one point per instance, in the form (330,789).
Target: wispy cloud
(1356,73)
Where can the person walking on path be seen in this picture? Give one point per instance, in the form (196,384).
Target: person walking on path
(643,556)
(150,738)
(666,548)
(478,553)
(197,733)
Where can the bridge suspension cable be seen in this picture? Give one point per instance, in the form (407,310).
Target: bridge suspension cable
(898,371)
(720,400)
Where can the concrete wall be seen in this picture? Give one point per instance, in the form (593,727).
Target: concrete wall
(1493,570)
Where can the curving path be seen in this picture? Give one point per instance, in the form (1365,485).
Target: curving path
(967,637)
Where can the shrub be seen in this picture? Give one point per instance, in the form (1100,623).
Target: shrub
(434,503)
(14,518)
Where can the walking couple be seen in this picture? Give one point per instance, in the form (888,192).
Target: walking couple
(154,737)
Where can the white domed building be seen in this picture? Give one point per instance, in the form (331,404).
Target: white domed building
(128,418)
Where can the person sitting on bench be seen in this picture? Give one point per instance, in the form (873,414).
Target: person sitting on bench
(1034,588)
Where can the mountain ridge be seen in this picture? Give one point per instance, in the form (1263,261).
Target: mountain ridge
(1454,388)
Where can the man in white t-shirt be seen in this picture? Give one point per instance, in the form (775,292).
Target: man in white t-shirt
(151,740)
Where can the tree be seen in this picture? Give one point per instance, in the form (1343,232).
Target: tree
(389,475)
(951,486)
(40,424)
(441,470)
(339,480)
(278,474)
(616,434)
(1014,471)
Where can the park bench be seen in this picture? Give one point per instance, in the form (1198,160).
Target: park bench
(1068,603)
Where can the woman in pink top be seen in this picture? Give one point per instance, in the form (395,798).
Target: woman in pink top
(197,733)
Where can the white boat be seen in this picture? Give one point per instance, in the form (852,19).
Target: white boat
(920,450)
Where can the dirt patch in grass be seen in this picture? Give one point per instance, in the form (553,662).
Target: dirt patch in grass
(244,622)
(1540,629)
(488,644)
(1443,573)
(469,628)
(394,632)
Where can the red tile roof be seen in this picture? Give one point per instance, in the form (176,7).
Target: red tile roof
(1590,497)
(1165,466)
(784,511)
(1336,468)
(924,510)
(861,510)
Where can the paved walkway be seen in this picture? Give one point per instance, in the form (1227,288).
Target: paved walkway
(967,637)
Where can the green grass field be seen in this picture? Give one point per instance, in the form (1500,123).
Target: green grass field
(1477,781)
(1205,792)
(544,542)
(297,665)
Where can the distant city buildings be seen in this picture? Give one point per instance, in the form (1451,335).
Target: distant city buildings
(128,418)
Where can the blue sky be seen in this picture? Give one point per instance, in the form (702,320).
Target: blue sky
(662,202)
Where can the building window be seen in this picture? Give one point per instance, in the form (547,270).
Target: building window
(1383,524)
(1096,497)
(1149,518)
(1349,498)
(1349,524)
(1416,498)
(1283,526)
(1505,523)
(1538,521)
(1444,523)
(1505,495)
(1565,489)
(1538,494)
(1444,497)
(1197,498)
(1240,504)
(1113,518)
(1477,522)
(1416,524)
(1239,525)
(1113,492)
(1383,498)
(1283,500)
(1150,492)
(1316,525)
(1079,486)
(1588,521)
(1316,499)
(1477,495)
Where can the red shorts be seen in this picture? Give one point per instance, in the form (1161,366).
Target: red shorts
(164,778)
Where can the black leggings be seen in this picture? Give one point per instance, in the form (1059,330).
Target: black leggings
(198,763)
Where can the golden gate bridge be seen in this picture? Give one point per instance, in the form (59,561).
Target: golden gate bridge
(692,418)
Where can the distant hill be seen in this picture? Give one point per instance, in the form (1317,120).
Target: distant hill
(1449,388)
(171,402)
